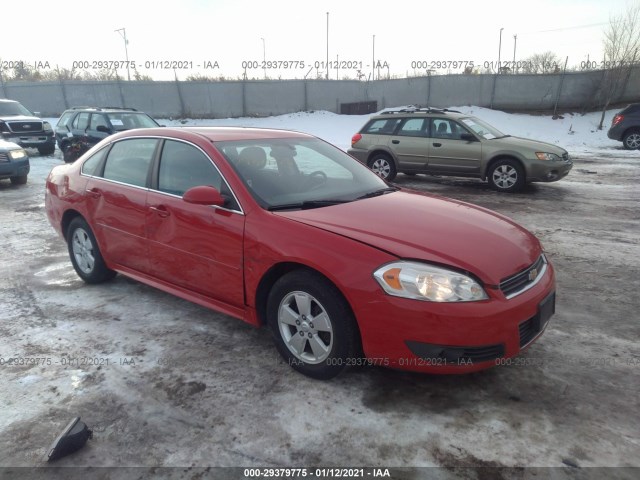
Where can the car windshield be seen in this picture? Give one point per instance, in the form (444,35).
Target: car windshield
(298,173)
(482,128)
(13,108)
(128,121)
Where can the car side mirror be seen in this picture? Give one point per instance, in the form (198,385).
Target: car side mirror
(468,137)
(204,195)
(103,129)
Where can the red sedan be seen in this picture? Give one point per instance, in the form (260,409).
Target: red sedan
(282,229)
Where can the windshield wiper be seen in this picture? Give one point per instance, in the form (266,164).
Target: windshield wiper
(377,193)
(306,204)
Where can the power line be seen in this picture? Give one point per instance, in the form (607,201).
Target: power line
(567,28)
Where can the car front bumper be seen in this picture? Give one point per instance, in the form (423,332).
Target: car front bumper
(455,337)
(34,140)
(548,171)
(14,168)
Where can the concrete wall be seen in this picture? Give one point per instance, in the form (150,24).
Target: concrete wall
(273,97)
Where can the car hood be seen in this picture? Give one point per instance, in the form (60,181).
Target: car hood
(4,145)
(413,225)
(19,118)
(533,145)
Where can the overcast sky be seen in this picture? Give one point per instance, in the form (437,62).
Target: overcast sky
(200,33)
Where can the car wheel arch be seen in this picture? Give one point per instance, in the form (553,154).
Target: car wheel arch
(67,218)
(382,151)
(279,270)
(497,158)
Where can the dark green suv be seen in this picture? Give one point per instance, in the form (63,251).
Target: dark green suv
(80,128)
(450,143)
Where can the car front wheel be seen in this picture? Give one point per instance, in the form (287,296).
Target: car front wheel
(19,180)
(85,254)
(631,140)
(506,176)
(312,325)
(382,165)
(48,150)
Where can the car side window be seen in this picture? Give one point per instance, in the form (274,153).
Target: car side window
(81,122)
(90,165)
(64,120)
(183,166)
(413,127)
(129,160)
(97,119)
(446,129)
(384,126)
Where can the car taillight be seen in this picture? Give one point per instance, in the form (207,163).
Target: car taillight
(617,119)
(355,139)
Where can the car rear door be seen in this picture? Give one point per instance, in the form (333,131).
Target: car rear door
(410,144)
(449,154)
(196,247)
(116,199)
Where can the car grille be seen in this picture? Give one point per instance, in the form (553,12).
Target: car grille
(25,127)
(4,157)
(522,281)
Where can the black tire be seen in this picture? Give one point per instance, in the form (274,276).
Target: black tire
(47,150)
(320,351)
(631,140)
(506,175)
(410,174)
(85,254)
(383,166)
(19,180)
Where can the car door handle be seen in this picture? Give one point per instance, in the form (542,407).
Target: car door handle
(161,210)
(395,141)
(437,144)
(93,192)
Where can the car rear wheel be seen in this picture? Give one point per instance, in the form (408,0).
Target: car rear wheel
(312,325)
(506,176)
(85,254)
(19,180)
(631,140)
(382,165)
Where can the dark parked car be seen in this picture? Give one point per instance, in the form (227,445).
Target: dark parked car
(79,128)
(14,162)
(625,127)
(282,229)
(21,126)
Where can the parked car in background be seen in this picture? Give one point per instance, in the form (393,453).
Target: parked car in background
(21,126)
(79,128)
(447,142)
(282,229)
(14,162)
(625,127)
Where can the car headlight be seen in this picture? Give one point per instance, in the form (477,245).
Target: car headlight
(46,126)
(548,156)
(17,154)
(421,281)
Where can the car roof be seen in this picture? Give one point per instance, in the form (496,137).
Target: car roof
(104,109)
(420,113)
(218,134)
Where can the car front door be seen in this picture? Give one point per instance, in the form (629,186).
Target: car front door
(449,153)
(196,247)
(410,144)
(99,128)
(117,202)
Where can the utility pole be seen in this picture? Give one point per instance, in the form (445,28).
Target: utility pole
(515,39)
(500,49)
(327,45)
(264,58)
(373,62)
(123,33)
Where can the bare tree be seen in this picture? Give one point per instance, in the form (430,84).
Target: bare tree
(547,62)
(621,53)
